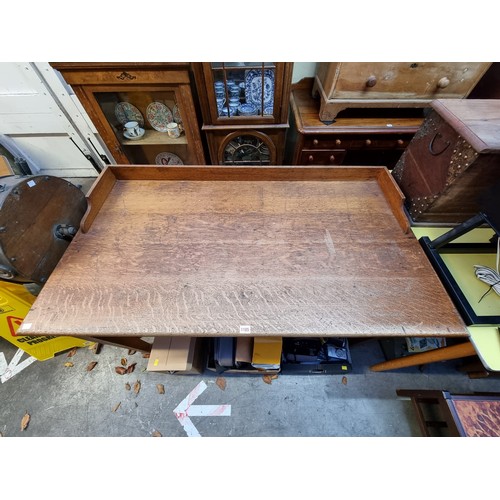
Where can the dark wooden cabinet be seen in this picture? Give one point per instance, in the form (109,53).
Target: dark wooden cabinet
(153,94)
(452,161)
(352,140)
(245,111)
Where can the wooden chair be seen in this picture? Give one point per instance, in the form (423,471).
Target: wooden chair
(440,413)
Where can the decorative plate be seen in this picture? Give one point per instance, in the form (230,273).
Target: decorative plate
(126,112)
(177,114)
(159,116)
(168,159)
(253,87)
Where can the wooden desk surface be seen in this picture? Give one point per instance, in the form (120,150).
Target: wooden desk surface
(216,251)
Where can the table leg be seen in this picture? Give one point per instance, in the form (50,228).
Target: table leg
(441,354)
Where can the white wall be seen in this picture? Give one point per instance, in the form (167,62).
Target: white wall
(303,70)
(41,120)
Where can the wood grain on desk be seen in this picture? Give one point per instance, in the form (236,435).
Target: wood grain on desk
(322,257)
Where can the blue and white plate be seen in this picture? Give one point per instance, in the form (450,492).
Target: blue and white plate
(253,87)
(247,109)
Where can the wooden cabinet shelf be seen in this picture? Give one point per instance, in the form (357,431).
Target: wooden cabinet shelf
(153,137)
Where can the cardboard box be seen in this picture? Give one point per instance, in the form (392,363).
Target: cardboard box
(267,352)
(181,355)
(243,359)
(244,351)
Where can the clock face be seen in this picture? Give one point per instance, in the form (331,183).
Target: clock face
(247,150)
(168,159)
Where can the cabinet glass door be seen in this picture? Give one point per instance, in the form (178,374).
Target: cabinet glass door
(148,125)
(243,90)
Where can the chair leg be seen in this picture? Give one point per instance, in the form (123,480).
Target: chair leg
(436,399)
(442,354)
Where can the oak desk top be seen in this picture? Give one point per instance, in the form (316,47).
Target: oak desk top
(228,251)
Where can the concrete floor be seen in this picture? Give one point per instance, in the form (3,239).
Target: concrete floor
(71,401)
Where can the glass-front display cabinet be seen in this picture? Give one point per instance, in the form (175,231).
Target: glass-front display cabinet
(245,110)
(144,112)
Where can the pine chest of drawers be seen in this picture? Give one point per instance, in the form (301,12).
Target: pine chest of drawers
(392,84)
(452,161)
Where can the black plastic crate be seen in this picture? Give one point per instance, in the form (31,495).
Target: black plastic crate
(321,356)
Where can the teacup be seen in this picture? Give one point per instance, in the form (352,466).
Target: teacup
(173,130)
(132,129)
(234,91)
(220,102)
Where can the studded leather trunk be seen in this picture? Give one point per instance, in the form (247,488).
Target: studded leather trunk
(452,161)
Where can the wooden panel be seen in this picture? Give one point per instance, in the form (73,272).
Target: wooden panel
(397,85)
(318,157)
(123,73)
(97,196)
(289,256)
(477,121)
(405,80)
(152,137)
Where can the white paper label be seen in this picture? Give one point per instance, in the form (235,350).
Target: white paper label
(25,326)
(245,329)
(31,183)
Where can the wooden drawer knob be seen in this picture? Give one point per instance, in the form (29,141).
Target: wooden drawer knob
(368,142)
(372,80)
(444,82)
(332,158)
(315,142)
(400,142)
(311,158)
(338,142)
